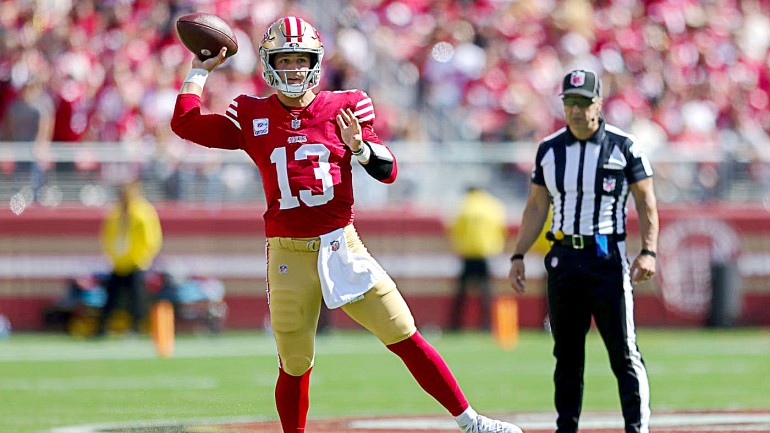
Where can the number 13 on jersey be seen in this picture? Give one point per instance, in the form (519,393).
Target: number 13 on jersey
(322,172)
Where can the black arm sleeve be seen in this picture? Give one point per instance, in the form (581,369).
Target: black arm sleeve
(377,167)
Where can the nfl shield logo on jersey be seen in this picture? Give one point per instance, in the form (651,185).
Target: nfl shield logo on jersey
(335,244)
(283,269)
(260,126)
(609,184)
(578,78)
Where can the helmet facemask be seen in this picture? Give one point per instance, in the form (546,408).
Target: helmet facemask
(291,35)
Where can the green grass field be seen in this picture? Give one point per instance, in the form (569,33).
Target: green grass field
(53,380)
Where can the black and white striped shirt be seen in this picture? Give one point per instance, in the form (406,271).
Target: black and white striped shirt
(588,180)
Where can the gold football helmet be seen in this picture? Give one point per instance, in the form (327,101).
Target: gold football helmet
(291,35)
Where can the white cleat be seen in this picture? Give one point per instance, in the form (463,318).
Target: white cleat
(489,425)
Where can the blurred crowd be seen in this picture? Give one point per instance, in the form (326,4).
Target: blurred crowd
(687,76)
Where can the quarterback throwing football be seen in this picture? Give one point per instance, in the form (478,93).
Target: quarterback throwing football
(302,143)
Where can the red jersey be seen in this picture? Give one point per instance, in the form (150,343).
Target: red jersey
(304,164)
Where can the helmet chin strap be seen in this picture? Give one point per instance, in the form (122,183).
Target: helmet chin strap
(293,91)
(292,94)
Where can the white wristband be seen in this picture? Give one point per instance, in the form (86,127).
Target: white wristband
(365,153)
(197,76)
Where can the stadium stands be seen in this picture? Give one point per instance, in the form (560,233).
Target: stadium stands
(690,78)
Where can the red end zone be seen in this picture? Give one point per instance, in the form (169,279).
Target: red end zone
(593,422)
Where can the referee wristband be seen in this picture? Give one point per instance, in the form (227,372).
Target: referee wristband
(517,257)
(646,252)
(197,76)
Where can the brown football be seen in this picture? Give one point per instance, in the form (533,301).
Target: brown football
(205,34)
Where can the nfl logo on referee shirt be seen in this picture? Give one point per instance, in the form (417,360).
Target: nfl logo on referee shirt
(609,184)
(578,78)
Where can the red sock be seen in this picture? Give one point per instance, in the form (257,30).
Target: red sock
(431,372)
(292,400)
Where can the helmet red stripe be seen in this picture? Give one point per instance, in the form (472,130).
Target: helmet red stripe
(298,32)
(293,26)
(287,26)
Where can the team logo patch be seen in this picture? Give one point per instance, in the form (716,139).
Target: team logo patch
(335,244)
(283,269)
(578,78)
(608,185)
(260,126)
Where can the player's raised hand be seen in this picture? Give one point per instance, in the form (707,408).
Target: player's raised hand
(350,129)
(211,63)
(194,82)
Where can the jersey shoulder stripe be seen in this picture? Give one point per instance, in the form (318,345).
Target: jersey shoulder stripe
(364,109)
(232,110)
(232,113)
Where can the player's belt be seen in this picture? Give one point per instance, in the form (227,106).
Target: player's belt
(300,244)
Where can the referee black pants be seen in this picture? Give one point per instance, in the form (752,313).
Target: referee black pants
(582,286)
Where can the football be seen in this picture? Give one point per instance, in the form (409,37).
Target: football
(205,34)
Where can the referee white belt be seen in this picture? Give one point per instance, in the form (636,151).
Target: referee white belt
(300,244)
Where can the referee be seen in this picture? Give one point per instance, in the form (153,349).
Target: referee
(586,171)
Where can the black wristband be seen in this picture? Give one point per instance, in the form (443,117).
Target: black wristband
(646,252)
(517,257)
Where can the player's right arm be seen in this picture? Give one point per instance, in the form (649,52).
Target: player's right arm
(210,130)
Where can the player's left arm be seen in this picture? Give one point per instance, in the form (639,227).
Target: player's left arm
(356,127)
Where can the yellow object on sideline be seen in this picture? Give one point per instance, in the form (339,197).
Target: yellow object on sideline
(162,327)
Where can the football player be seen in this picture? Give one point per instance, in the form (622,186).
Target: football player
(302,143)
